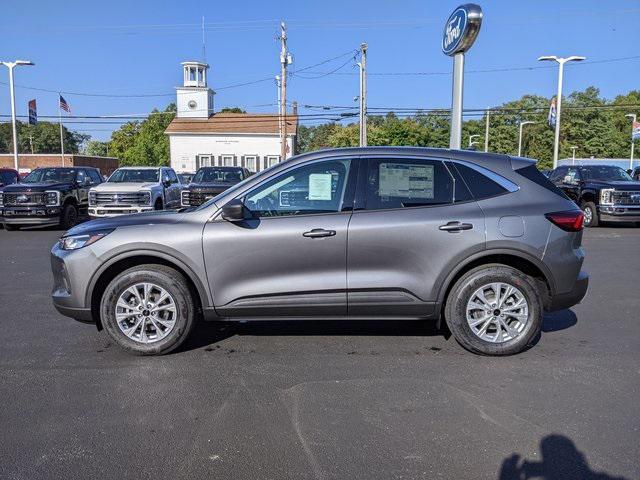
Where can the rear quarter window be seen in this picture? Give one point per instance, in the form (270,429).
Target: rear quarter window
(532,173)
(480,185)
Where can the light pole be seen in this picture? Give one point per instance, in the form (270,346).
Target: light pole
(12,94)
(573,155)
(471,141)
(520,136)
(561,61)
(632,116)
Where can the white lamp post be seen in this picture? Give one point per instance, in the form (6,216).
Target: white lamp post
(520,136)
(573,155)
(632,116)
(472,142)
(12,94)
(561,61)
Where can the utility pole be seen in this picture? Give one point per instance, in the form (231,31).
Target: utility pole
(279,89)
(486,131)
(12,94)
(363,95)
(285,61)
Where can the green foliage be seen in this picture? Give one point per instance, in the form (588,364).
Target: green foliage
(143,143)
(43,137)
(598,132)
(97,148)
(232,110)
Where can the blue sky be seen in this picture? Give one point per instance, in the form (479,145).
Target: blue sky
(135,47)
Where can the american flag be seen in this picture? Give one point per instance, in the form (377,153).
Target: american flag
(64,105)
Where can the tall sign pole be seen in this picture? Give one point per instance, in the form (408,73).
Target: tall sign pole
(460,31)
(285,61)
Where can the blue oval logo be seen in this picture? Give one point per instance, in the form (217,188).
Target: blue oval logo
(454,30)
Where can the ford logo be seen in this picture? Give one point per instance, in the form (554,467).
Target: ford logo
(461,29)
(22,198)
(114,198)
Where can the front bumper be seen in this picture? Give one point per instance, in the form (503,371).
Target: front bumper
(107,211)
(35,215)
(575,296)
(619,213)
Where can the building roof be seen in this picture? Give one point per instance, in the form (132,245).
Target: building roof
(246,123)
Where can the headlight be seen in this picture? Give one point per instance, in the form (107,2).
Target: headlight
(74,242)
(186,198)
(145,197)
(606,196)
(52,198)
(92,198)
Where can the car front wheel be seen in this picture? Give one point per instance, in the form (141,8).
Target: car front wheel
(148,309)
(591,218)
(494,310)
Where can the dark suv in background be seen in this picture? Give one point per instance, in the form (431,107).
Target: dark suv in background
(483,241)
(211,181)
(8,176)
(605,193)
(48,196)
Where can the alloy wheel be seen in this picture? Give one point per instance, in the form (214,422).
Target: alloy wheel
(146,312)
(588,216)
(497,312)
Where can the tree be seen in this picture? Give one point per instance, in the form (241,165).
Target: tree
(44,137)
(97,148)
(232,110)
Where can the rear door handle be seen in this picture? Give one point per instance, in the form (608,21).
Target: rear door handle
(456,227)
(318,233)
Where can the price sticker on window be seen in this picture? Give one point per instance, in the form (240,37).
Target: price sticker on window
(320,186)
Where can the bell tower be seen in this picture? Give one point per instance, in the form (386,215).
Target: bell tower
(194,98)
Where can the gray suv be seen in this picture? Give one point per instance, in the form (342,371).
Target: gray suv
(483,242)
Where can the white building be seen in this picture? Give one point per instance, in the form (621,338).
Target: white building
(199,137)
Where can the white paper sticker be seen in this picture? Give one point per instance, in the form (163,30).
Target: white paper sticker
(320,186)
(406,180)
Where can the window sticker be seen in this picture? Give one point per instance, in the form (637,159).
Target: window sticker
(404,180)
(320,186)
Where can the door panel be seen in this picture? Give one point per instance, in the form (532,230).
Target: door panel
(267,267)
(407,231)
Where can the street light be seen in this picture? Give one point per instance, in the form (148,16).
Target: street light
(520,136)
(632,116)
(573,155)
(12,94)
(561,61)
(471,141)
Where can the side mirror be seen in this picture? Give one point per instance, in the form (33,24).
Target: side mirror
(166,183)
(235,211)
(87,182)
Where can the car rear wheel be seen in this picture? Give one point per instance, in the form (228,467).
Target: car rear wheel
(591,218)
(148,310)
(494,310)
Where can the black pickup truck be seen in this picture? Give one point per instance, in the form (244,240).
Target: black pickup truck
(48,196)
(604,192)
(209,182)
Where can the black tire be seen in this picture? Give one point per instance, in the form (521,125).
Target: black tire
(10,228)
(463,290)
(170,280)
(69,216)
(595,219)
(158,205)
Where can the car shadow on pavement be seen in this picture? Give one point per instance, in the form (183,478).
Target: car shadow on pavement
(208,333)
(560,459)
(560,320)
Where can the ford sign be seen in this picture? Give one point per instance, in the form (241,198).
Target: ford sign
(461,29)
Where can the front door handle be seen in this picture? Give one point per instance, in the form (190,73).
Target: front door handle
(318,233)
(456,227)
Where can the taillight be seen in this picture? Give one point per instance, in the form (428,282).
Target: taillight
(570,221)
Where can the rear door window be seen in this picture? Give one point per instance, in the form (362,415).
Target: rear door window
(407,182)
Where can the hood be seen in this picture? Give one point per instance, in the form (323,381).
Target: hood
(165,217)
(210,186)
(36,187)
(123,187)
(618,184)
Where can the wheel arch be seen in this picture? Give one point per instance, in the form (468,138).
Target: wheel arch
(511,258)
(588,196)
(122,262)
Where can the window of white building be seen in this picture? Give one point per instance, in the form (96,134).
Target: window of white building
(250,162)
(272,160)
(227,160)
(203,161)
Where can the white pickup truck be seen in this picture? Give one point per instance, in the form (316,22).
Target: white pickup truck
(134,190)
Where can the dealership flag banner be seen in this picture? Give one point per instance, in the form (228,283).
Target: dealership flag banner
(635,131)
(33,112)
(551,118)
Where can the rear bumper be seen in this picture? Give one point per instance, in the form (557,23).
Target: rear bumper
(575,296)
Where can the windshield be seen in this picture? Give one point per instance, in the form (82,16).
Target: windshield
(185,178)
(133,175)
(212,175)
(604,172)
(51,175)
(6,178)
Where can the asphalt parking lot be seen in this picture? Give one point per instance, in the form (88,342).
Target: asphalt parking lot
(324,400)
